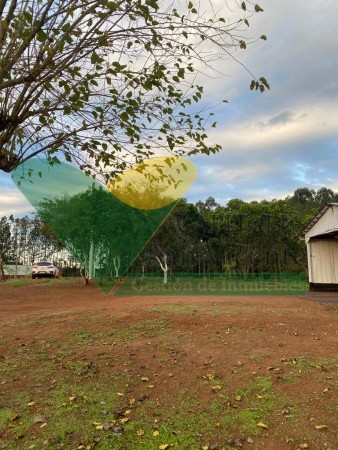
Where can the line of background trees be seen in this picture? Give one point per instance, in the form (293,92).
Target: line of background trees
(205,237)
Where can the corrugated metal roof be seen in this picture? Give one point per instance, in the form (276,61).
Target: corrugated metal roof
(317,217)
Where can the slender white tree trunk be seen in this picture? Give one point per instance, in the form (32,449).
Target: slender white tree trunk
(117,265)
(164,266)
(91,261)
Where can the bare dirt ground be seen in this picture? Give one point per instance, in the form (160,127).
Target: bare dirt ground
(186,372)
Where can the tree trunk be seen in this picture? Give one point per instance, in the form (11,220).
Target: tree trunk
(91,268)
(164,266)
(117,265)
(2,272)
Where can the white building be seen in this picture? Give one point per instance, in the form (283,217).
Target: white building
(321,238)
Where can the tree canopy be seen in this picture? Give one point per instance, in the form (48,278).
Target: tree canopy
(205,237)
(108,83)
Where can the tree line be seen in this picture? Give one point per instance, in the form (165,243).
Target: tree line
(240,237)
(206,237)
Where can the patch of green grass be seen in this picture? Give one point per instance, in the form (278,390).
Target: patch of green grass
(324,364)
(9,365)
(83,337)
(5,416)
(175,308)
(146,329)
(18,283)
(303,365)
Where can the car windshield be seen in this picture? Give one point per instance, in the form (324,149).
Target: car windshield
(44,263)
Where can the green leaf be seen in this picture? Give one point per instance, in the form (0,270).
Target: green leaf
(110,5)
(263,37)
(153,4)
(243,6)
(28,16)
(263,81)
(242,44)
(258,8)
(95,58)
(41,36)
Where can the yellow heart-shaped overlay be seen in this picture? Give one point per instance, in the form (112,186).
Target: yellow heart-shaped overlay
(154,183)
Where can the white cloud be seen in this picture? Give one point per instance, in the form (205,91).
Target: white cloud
(13,202)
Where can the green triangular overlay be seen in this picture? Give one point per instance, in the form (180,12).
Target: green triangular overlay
(104,234)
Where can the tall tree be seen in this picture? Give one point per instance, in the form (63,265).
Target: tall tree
(5,243)
(104,83)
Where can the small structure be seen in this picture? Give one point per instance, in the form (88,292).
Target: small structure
(321,238)
(17,271)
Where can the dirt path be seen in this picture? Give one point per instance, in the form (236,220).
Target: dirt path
(221,364)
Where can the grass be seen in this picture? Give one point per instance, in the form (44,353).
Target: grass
(18,283)
(82,383)
(28,281)
(146,329)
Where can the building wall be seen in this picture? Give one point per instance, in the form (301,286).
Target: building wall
(22,270)
(326,224)
(323,261)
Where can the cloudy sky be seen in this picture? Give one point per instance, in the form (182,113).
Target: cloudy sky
(275,142)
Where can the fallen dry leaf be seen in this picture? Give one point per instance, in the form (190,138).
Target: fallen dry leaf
(321,427)
(31,403)
(156,433)
(163,446)
(303,446)
(262,425)
(140,432)
(124,420)
(119,394)
(145,379)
